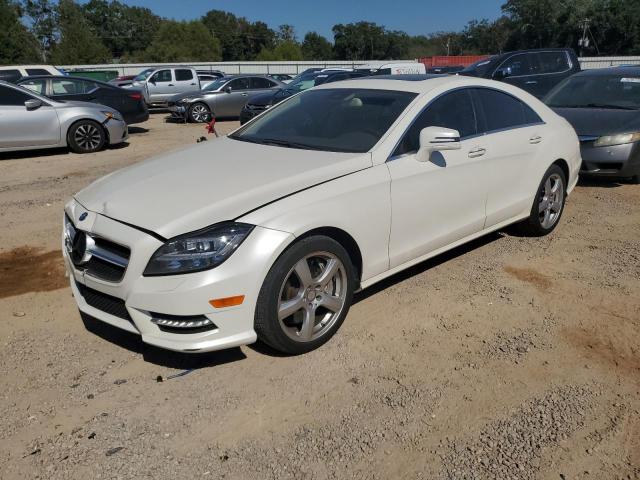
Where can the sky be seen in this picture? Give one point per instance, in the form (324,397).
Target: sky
(415,17)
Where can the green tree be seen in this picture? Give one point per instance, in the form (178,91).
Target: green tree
(123,29)
(183,42)
(286,33)
(42,18)
(78,43)
(368,41)
(316,47)
(239,38)
(17,45)
(285,50)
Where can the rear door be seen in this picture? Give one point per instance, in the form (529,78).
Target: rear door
(20,127)
(554,66)
(513,133)
(74,89)
(186,80)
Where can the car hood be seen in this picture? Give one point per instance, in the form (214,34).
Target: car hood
(211,182)
(601,121)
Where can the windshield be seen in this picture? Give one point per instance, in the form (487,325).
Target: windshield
(143,75)
(215,85)
(597,91)
(333,120)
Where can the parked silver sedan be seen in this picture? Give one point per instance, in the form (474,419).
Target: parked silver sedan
(31,121)
(223,98)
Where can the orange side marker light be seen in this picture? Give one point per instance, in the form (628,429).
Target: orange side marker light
(227,301)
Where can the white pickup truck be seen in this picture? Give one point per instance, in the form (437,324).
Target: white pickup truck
(161,83)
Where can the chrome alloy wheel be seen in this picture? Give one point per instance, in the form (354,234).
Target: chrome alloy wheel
(312,296)
(87,136)
(199,113)
(551,200)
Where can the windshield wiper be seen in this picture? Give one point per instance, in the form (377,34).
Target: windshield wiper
(287,144)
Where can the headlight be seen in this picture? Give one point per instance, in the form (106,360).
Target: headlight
(618,139)
(112,115)
(197,251)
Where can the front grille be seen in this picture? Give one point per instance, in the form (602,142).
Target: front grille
(171,104)
(103,302)
(104,270)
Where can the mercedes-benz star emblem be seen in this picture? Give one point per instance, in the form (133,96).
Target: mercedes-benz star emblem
(82,216)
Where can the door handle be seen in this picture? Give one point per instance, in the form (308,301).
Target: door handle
(535,139)
(244,94)
(531,82)
(171,85)
(193,84)
(477,152)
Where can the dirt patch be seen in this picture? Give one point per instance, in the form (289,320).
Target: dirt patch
(529,275)
(610,351)
(28,269)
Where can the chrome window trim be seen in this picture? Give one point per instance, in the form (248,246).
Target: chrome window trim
(533,74)
(392,157)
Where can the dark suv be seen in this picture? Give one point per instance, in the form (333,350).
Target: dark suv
(536,71)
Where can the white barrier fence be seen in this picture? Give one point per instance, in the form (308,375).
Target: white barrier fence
(293,68)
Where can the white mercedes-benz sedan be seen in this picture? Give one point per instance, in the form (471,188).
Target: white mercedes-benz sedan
(266,233)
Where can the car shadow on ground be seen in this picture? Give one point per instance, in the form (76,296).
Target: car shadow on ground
(134,130)
(159,356)
(601,182)
(26,154)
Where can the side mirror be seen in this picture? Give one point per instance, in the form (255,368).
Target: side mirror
(227,89)
(502,73)
(152,81)
(437,139)
(33,104)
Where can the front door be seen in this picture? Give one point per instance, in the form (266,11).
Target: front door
(161,86)
(230,104)
(438,202)
(20,127)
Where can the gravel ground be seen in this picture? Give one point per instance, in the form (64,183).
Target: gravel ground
(509,358)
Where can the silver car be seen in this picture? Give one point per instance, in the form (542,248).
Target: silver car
(222,98)
(161,83)
(31,121)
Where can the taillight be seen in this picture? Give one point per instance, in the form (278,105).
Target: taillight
(135,96)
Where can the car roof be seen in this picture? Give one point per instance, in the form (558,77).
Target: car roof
(408,83)
(67,77)
(626,70)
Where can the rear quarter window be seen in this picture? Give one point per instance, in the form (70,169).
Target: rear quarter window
(501,111)
(10,75)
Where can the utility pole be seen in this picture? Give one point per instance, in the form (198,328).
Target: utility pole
(584,41)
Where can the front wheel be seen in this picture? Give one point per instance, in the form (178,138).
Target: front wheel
(199,113)
(306,296)
(548,204)
(86,136)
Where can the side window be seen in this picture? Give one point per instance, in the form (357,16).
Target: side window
(259,82)
(162,76)
(10,75)
(182,75)
(452,110)
(66,87)
(239,84)
(553,62)
(37,71)
(11,97)
(519,65)
(38,86)
(502,111)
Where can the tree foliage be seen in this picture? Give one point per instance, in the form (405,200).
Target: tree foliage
(17,44)
(183,42)
(72,32)
(77,42)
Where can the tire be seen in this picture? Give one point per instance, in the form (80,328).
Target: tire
(299,309)
(199,113)
(86,136)
(548,204)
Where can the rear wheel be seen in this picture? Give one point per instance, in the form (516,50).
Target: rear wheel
(548,204)
(306,296)
(86,136)
(199,113)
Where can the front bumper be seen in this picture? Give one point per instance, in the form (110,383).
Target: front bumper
(614,161)
(145,298)
(118,131)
